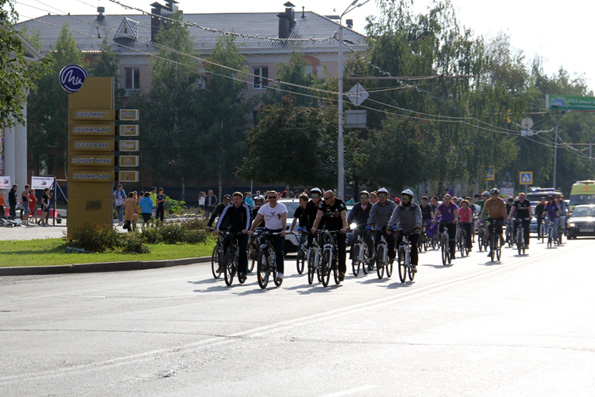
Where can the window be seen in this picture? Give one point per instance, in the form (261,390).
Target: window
(261,77)
(131,78)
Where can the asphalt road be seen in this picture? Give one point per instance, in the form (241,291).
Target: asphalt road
(522,327)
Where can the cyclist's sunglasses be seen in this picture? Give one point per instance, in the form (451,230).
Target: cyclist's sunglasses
(363,197)
(382,195)
(272,197)
(315,195)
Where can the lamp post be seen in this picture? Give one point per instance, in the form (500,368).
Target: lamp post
(340,149)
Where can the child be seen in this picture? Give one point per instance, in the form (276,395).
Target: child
(1,204)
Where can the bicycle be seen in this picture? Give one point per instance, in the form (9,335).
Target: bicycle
(461,239)
(267,259)
(424,240)
(231,260)
(482,241)
(404,258)
(302,252)
(382,261)
(510,237)
(520,237)
(329,261)
(313,260)
(359,255)
(252,252)
(495,244)
(445,247)
(217,258)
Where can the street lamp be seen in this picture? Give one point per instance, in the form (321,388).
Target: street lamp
(340,150)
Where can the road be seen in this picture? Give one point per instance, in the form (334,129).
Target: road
(520,327)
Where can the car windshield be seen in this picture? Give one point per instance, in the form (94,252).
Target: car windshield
(578,199)
(291,207)
(583,211)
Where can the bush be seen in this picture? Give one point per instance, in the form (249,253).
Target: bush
(175,207)
(151,235)
(102,238)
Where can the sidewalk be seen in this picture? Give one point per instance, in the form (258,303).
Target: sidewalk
(58,231)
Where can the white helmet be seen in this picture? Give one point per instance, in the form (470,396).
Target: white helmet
(315,190)
(382,190)
(408,192)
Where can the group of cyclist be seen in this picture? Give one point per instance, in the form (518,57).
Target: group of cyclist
(375,216)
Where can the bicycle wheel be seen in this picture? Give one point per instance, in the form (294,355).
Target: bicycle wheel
(311,266)
(300,261)
(215,262)
(550,238)
(379,260)
(444,249)
(229,266)
(410,272)
(519,241)
(389,265)
(325,271)
(355,263)
(275,279)
(492,247)
(498,248)
(262,269)
(402,265)
(365,260)
(336,271)
(252,257)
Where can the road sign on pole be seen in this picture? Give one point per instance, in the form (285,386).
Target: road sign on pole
(490,173)
(526,177)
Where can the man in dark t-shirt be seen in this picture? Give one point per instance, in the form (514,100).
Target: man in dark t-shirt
(521,211)
(334,213)
(161,198)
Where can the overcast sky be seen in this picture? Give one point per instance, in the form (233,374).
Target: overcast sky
(557,31)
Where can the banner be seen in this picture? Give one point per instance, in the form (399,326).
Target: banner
(41,182)
(568,102)
(5,182)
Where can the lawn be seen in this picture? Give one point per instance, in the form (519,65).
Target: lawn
(50,252)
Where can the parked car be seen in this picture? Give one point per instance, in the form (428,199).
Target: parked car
(582,221)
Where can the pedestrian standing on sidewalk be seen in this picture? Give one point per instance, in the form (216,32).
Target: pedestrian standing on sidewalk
(146,208)
(153,197)
(201,200)
(130,212)
(1,205)
(119,198)
(25,204)
(45,206)
(32,204)
(161,199)
(12,201)
(210,202)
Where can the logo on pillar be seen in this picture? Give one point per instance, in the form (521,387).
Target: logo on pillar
(72,78)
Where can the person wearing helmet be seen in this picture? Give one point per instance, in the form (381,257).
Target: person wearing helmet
(218,210)
(378,220)
(258,202)
(495,209)
(236,218)
(408,220)
(311,211)
(359,215)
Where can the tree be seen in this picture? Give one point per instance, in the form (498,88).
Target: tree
(295,145)
(48,107)
(17,76)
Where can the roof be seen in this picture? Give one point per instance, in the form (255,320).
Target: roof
(89,31)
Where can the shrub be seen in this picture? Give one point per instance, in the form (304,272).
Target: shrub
(134,243)
(151,235)
(175,207)
(103,238)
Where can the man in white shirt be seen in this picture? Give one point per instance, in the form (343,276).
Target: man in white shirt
(275,220)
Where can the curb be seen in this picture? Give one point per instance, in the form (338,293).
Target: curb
(100,267)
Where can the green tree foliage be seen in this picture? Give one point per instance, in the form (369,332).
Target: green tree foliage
(295,145)
(17,75)
(48,107)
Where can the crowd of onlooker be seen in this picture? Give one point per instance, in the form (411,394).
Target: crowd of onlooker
(31,209)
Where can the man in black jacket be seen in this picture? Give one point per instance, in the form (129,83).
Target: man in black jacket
(359,215)
(237,216)
(12,201)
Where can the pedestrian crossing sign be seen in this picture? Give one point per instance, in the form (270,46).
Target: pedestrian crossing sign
(490,173)
(526,177)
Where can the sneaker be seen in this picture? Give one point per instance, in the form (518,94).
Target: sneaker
(220,269)
(452,255)
(279,277)
(242,276)
(341,276)
(413,269)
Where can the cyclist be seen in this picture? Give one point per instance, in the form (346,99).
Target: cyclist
(539,214)
(373,197)
(333,212)
(466,222)
(495,209)
(481,218)
(218,210)
(448,213)
(300,215)
(237,216)
(379,216)
(522,212)
(553,215)
(562,208)
(407,215)
(426,210)
(359,215)
(275,221)
(311,211)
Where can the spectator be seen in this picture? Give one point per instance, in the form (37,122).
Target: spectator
(153,197)
(32,204)
(210,202)
(130,212)
(119,198)
(1,205)
(146,208)
(248,199)
(161,199)
(45,206)
(201,201)
(25,204)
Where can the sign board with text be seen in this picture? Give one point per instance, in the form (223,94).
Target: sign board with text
(128,176)
(92,161)
(128,161)
(129,130)
(89,145)
(569,102)
(5,183)
(92,176)
(93,114)
(41,182)
(107,130)
(128,115)
(129,146)
(490,174)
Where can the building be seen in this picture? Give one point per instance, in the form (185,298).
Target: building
(133,37)
(13,141)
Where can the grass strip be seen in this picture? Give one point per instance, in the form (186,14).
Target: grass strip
(51,252)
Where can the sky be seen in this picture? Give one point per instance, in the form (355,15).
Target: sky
(556,31)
